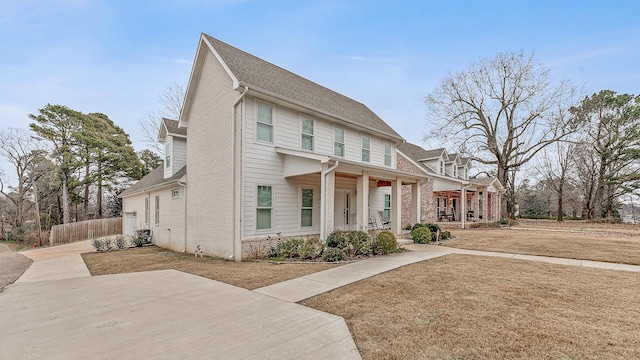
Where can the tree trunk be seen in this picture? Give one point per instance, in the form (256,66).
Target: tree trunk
(599,198)
(560,211)
(66,211)
(85,205)
(99,200)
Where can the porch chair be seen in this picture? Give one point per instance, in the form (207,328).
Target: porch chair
(384,222)
(373,224)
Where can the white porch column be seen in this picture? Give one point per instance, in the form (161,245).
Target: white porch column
(396,206)
(328,185)
(463,208)
(362,221)
(476,205)
(415,203)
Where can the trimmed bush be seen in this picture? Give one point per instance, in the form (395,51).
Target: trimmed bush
(384,243)
(332,254)
(421,235)
(139,240)
(337,239)
(310,248)
(444,235)
(359,243)
(120,242)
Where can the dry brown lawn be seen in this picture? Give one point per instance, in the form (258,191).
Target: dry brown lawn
(473,307)
(249,275)
(576,240)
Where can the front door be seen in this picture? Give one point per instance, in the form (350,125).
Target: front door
(344,206)
(454,206)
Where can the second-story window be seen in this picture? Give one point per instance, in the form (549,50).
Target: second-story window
(264,123)
(366,148)
(441,167)
(167,156)
(307,134)
(455,170)
(338,142)
(387,154)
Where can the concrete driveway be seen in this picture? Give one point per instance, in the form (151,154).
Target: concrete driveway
(156,315)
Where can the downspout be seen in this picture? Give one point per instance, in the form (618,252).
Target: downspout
(323,196)
(233,165)
(184,186)
(463,216)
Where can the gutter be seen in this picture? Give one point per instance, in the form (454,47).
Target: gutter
(184,186)
(233,165)
(323,197)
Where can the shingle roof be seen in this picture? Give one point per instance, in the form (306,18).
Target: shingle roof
(172,127)
(416,152)
(259,74)
(483,181)
(153,179)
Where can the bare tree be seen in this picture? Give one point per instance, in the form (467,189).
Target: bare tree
(557,162)
(171,101)
(20,150)
(501,112)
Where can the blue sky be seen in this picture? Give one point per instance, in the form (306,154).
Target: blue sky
(115,57)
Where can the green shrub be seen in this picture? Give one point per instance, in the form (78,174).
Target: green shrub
(289,248)
(421,235)
(358,243)
(120,242)
(310,248)
(384,243)
(97,243)
(337,239)
(332,254)
(444,235)
(139,240)
(407,227)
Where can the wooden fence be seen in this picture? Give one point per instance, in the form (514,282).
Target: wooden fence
(84,230)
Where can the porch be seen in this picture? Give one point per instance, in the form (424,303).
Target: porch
(353,195)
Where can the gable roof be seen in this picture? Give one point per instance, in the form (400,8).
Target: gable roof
(154,179)
(170,127)
(486,181)
(267,78)
(417,153)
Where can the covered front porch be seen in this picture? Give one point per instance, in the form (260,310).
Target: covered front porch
(353,196)
(470,203)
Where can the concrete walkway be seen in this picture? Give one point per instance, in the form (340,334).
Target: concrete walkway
(56,310)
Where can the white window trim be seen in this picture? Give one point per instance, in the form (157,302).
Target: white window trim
(312,207)
(442,167)
(168,151)
(384,153)
(147,211)
(362,148)
(273,123)
(156,213)
(384,205)
(273,206)
(344,140)
(173,194)
(313,136)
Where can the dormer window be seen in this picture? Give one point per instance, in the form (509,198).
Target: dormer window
(455,171)
(441,167)
(167,156)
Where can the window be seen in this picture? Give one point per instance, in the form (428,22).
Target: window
(146,211)
(466,174)
(167,156)
(175,193)
(265,123)
(387,206)
(438,205)
(306,212)
(441,167)
(307,134)
(338,142)
(366,148)
(455,170)
(387,154)
(157,210)
(265,205)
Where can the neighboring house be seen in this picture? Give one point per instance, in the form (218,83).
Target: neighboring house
(449,194)
(158,201)
(269,154)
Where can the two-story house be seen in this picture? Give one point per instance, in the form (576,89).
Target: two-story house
(268,154)
(449,195)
